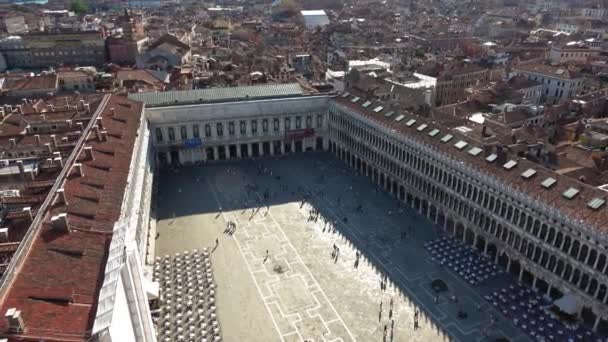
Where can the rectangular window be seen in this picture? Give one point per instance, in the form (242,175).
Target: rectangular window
(231,128)
(254,126)
(319,121)
(207,130)
(265,125)
(243,125)
(220,129)
(159,134)
(171,134)
(287,124)
(184,132)
(308,121)
(298,122)
(276,125)
(195,132)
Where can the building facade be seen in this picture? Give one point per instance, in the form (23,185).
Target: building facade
(559,84)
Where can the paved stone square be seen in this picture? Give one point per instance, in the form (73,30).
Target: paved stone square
(277,280)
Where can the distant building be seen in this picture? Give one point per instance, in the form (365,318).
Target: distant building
(167,52)
(559,84)
(30,86)
(314,18)
(13,24)
(60,47)
(76,81)
(578,52)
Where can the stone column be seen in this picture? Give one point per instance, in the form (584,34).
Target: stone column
(293,146)
(596,323)
(534,282)
(169,158)
(216,155)
(227,151)
(238,151)
(282,147)
(508,264)
(271,148)
(249,150)
(521,273)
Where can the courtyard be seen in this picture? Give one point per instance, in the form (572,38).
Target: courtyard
(278,275)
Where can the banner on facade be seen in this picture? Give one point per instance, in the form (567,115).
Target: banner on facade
(296,134)
(193,143)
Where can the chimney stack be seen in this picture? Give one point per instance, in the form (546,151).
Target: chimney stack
(80,126)
(60,222)
(60,199)
(24,101)
(3,235)
(58,160)
(79,169)
(98,122)
(87,107)
(15,320)
(2,112)
(104,135)
(13,142)
(49,148)
(54,140)
(28,210)
(88,152)
(20,166)
(81,104)
(113,111)
(37,137)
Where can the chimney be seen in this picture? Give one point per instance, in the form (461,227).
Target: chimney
(80,126)
(104,135)
(98,122)
(20,109)
(81,104)
(24,101)
(32,174)
(87,107)
(79,169)
(69,122)
(88,152)
(35,109)
(60,222)
(2,112)
(20,166)
(13,142)
(67,102)
(54,140)
(59,161)
(97,132)
(49,149)
(113,111)
(3,235)
(15,321)
(28,210)
(60,199)
(43,117)
(37,137)
(50,108)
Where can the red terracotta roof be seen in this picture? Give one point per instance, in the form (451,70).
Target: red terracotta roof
(58,284)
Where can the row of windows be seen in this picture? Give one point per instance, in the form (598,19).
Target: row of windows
(542,234)
(219,127)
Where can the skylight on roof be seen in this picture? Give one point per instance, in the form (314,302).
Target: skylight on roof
(410,123)
(461,144)
(570,193)
(399,118)
(378,109)
(475,151)
(447,138)
(422,127)
(528,173)
(510,164)
(345,95)
(434,132)
(491,158)
(389,114)
(366,104)
(547,183)
(596,203)
(355,99)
